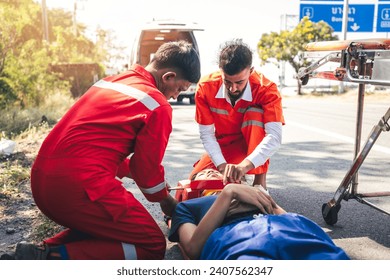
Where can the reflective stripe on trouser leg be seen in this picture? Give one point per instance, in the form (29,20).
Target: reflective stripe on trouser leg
(129,251)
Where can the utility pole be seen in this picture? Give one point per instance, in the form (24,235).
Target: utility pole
(45,24)
(74,17)
(344,28)
(75,9)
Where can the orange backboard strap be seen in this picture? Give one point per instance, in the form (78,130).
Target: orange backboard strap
(206,184)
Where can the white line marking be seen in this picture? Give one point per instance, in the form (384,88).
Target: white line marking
(343,138)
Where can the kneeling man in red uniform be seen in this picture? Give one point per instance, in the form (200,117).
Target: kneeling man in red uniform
(119,127)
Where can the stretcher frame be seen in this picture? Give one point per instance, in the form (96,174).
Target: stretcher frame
(356,60)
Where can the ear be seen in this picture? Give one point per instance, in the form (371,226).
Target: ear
(251,70)
(169,76)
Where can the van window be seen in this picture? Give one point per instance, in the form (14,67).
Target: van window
(156,33)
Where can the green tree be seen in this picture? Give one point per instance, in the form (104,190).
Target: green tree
(68,46)
(19,29)
(26,60)
(38,78)
(288,45)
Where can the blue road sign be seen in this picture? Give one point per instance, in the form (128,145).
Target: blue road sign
(383,19)
(360,16)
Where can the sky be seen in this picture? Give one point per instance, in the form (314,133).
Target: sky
(221,19)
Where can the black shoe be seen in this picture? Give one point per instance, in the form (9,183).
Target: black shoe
(29,251)
(7,256)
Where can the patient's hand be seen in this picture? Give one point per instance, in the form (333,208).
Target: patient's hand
(248,198)
(250,195)
(237,207)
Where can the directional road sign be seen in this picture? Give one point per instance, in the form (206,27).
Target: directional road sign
(383,19)
(360,16)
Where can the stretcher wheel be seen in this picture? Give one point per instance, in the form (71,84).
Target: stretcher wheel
(331,217)
(304,79)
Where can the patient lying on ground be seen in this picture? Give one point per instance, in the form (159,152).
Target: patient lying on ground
(244,222)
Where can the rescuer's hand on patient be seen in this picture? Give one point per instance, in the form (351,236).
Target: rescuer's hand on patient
(221,167)
(234,172)
(168,204)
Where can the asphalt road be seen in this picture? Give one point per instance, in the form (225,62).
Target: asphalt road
(317,151)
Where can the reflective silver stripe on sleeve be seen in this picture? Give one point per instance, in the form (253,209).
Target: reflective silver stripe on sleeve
(154,189)
(219,111)
(255,109)
(129,251)
(253,123)
(250,109)
(141,96)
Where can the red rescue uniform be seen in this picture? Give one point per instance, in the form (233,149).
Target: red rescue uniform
(74,178)
(239,129)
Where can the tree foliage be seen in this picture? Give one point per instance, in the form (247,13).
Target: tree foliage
(288,45)
(25,57)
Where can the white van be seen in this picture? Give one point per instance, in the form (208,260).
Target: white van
(157,32)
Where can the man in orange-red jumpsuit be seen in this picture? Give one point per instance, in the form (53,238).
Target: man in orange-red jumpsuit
(239,112)
(74,178)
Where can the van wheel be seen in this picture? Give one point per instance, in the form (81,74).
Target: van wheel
(180,99)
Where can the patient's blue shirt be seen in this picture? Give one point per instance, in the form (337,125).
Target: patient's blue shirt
(288,236)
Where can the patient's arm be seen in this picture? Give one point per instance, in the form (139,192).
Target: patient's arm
(237,207)
(193,237)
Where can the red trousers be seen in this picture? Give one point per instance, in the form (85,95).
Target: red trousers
(235,148)
(114,226)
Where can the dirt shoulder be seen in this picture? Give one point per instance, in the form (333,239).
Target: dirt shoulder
(20,219)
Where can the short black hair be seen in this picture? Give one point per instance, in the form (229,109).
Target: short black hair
(234,57)
(179,55)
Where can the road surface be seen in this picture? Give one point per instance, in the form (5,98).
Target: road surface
(317,151)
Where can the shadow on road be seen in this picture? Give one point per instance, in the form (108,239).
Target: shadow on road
(302,185)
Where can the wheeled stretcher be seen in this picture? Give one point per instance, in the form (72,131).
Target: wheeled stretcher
(363,62)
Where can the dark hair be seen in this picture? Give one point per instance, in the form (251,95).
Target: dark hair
(180,55)
(234,57)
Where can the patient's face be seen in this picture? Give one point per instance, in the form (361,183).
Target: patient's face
(208,174)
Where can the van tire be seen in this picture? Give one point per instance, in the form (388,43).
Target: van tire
(180,99)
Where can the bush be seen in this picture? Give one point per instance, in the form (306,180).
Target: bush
(7,94)
(15,120)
